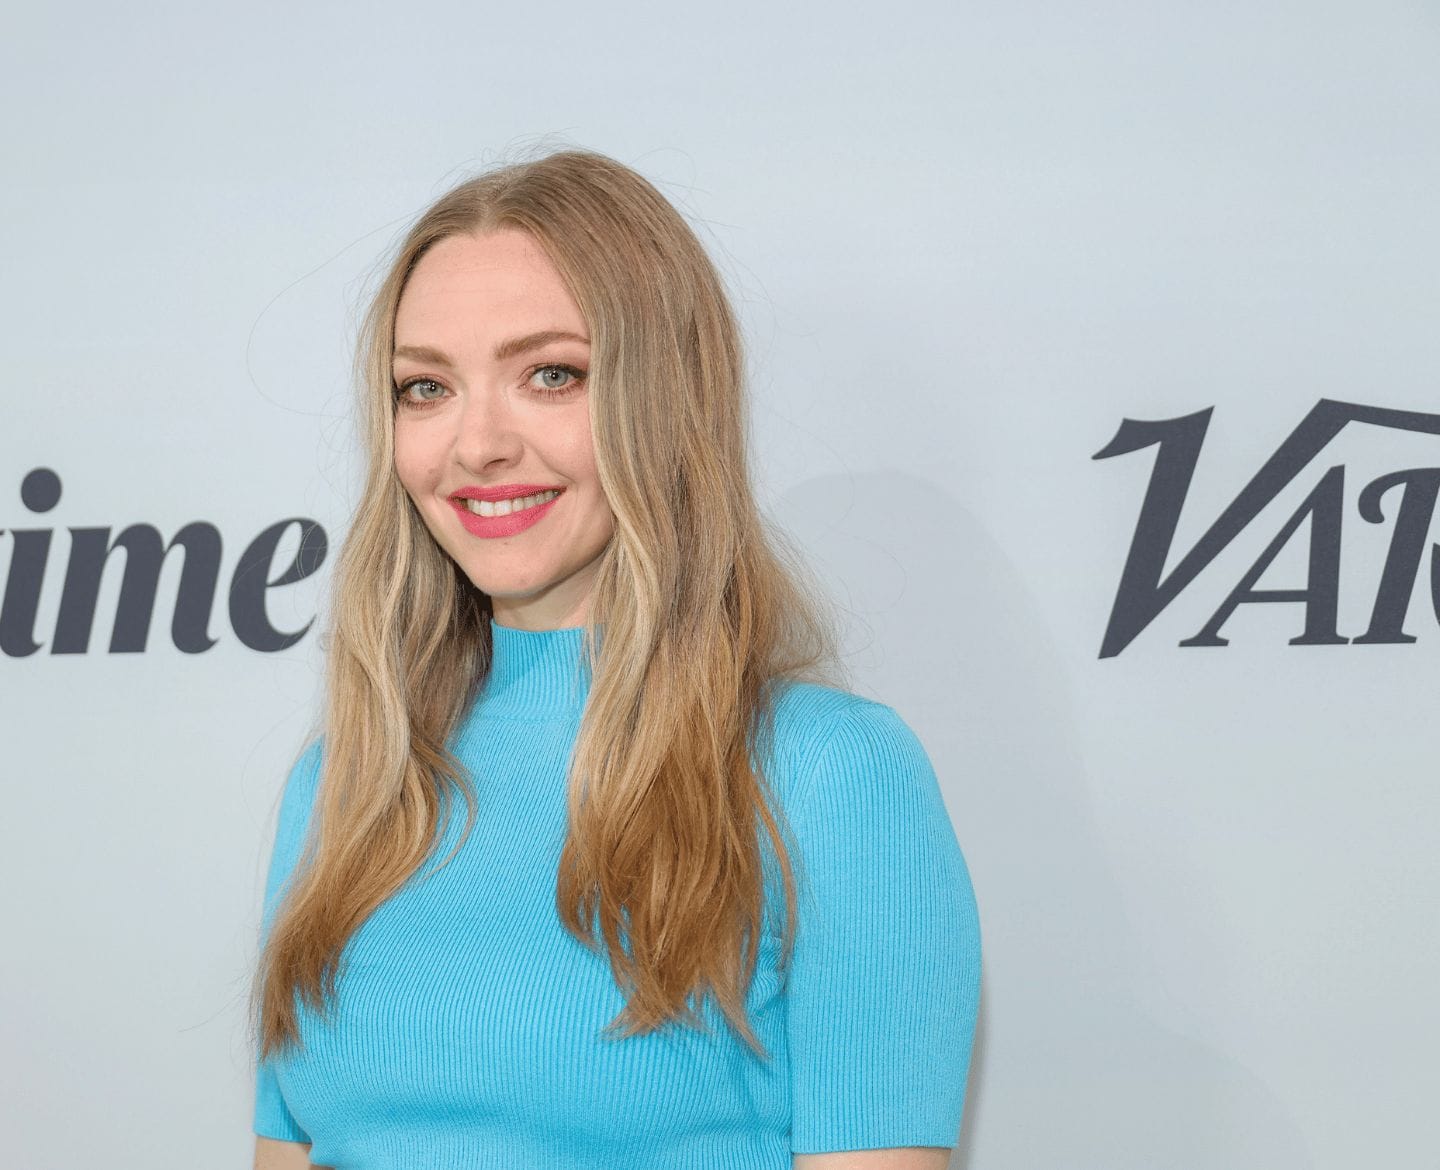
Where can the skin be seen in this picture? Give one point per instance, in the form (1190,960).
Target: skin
(273,1155)
(899,1158)
(476,421)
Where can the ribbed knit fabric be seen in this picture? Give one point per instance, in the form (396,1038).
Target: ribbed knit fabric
(466,1032)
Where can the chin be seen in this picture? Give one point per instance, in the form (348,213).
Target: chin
(507,590)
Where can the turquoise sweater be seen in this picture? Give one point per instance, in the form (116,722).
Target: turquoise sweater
(466,1032)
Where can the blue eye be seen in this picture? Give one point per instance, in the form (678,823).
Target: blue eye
(402,391)
(577,377)
(421,393)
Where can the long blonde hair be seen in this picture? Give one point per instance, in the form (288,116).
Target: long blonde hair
(703,605)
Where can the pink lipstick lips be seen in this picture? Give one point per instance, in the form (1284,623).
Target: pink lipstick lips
(507,525)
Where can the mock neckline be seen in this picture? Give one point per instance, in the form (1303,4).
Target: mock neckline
(535,672)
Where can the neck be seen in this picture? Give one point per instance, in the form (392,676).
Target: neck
(535,672)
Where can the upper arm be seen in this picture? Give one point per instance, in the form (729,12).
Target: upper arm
(276,1155)
(291,826)
(273,1121)
(907,1158)
(884,982)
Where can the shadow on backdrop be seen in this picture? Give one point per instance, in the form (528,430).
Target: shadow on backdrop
(1069,1062)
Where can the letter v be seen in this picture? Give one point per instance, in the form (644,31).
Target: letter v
(1142,593)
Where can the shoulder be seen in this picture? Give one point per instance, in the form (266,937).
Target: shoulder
(871,830)
(298,797)
(293,822)
(822,731)
(304,777)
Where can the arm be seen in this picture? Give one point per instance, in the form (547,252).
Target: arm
(280,1141)
(907,1158)
(885,982)
(277,1155)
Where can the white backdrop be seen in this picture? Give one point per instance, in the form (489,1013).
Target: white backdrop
(968,242)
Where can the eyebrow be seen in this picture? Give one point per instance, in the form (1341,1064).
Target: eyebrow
(505,349)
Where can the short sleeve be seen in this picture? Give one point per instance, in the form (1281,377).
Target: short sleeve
(884,986)
(272,1117)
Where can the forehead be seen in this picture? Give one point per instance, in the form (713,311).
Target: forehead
(480,287)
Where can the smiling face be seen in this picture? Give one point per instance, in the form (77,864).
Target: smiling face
(491,361)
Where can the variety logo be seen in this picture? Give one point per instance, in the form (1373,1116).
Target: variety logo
(145,551)
(1144,591)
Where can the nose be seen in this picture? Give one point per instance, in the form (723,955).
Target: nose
(486,435)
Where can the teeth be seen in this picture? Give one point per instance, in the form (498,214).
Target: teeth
(505,507)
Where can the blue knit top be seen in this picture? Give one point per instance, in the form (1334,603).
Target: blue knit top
(466,1031)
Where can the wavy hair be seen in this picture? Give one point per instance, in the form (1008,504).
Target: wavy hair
(703,606)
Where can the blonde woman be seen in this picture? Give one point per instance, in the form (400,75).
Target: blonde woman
(705,907)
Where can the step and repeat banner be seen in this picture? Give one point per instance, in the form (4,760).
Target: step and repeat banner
(1094,366)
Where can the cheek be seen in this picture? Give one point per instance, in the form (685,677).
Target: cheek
(413,465)
(580,464)
(601,522)
(584,469)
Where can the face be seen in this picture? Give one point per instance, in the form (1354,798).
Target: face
(491,364)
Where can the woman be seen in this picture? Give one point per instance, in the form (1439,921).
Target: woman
(706,908)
